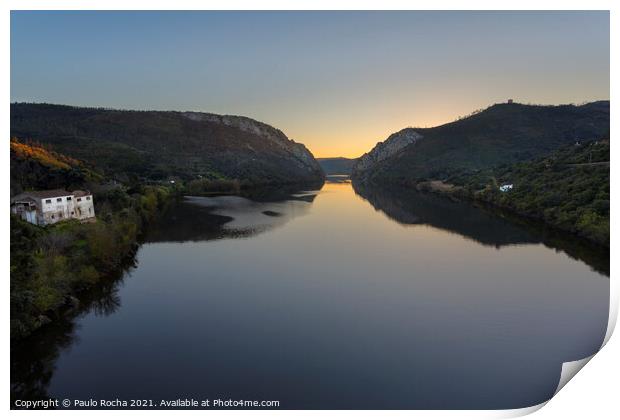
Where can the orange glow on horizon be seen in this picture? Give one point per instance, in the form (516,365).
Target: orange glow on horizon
(364,133)
(362,137)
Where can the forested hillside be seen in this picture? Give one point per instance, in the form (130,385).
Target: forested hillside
(568,189)
(502,133)
(154,145)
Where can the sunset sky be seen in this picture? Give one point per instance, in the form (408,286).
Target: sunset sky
(338,82)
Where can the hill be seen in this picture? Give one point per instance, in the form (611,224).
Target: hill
(502,133)
(568,189)
(337,165)
(158,145)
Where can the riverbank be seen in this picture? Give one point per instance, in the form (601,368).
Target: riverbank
(568,189)
(51,265)
(589,224)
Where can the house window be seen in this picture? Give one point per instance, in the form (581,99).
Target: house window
(68,198)
(79,199)
(72,213)
(52,216)
(88,198)
(59,199)
(48,201)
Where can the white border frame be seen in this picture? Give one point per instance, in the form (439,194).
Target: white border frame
(594,394)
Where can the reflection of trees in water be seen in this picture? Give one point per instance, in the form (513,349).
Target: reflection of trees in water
(284,193)
(194,219)
(407,206)
(487,226)
(108,302)
(33,360)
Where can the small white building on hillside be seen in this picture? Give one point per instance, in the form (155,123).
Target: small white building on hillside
(505,187)
(48,207)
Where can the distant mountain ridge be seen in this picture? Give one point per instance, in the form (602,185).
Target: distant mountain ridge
(336,165)
(502,133)
(165,144)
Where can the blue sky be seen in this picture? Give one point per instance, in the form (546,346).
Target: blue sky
(336,81)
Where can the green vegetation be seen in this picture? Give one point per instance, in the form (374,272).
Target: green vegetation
(530,146)
(37,167)
(501,134)
(147,146)
(207,186)
(569,189)
(50,265)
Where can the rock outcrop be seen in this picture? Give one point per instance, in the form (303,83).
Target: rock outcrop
(384,150)
(272,134)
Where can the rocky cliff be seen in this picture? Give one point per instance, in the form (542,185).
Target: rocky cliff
(384,150)
(272,134)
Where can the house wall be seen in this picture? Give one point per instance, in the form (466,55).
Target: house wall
(84,208)
(55,209)
(29,216)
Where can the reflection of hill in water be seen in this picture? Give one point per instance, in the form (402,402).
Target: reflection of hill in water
(408,206)
(228,216)
(486,226)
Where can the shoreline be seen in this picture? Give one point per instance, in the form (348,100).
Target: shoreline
(454,192)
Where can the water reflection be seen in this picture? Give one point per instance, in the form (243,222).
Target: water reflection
(33,361)
(487,226)
(227,216)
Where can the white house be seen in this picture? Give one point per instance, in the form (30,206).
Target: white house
(505,187)
(51,206)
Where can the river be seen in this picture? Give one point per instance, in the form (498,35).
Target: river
(337,298)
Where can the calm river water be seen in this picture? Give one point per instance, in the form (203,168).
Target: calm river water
(380,299)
